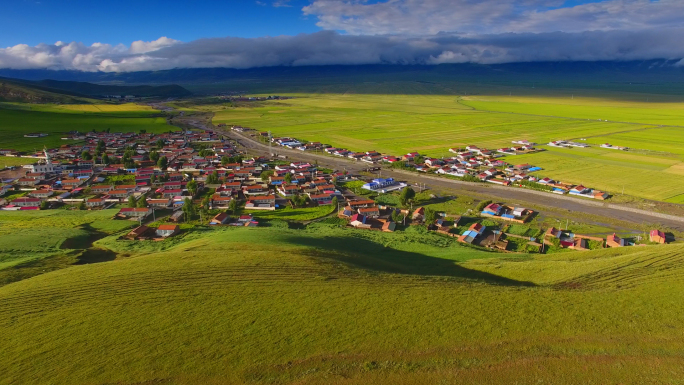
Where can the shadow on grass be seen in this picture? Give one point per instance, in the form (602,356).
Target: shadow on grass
(95,255)
(376,257)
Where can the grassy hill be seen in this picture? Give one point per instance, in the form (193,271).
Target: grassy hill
(70,92)
(166,91)
(15,91)
(332,306)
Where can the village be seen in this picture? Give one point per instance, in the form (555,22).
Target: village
(158,181)
(470,163)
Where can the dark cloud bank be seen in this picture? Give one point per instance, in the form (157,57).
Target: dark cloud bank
(327,48)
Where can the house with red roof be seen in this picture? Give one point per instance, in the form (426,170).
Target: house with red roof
(657,236)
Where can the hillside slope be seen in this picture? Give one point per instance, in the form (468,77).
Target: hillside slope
(286,306)
(14,91)
(53,91)
(168,91)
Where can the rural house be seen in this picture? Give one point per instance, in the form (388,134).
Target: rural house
(166,231)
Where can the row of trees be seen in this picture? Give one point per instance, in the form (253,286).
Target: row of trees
(191,210)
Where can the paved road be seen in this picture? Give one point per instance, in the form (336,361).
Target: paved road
(507,194)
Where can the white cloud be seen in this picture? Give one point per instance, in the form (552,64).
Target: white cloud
(148,46)
(425,17)
(324,48)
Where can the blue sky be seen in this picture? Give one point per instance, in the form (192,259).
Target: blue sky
(124,21)
(143,35)
(47,21)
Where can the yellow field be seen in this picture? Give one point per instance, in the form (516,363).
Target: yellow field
(127,107)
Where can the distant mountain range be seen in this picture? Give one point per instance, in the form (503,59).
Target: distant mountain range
(597,74)
(182,75)
(56,91)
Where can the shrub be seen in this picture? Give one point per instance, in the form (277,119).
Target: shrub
(482,205)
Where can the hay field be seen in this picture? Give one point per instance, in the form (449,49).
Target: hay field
(267,305)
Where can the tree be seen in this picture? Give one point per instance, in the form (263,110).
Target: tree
(132,202)
(105,159)
(430,216)
(160,143)
(143,131)
(192,187)
(288,178)
(154,156)
(82,206)
(153,179)
(397,216)
(189,209)
(206,202)
(234,206)
(142,202)
(128,158)
(300,200)
(225,160)
(85,155)
(213,178)
(128,154)
(205,152)
(335,202)
(100,147)
(265,175)
(163,163)
(407,195)
(44,205)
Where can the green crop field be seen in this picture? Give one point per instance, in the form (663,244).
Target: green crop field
(8,161)
(56,120)
(401,124)
(325,305)
(429,124)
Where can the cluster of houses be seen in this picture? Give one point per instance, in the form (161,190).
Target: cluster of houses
(558,187)
(508,213)
(365,214)
(569,240)
(567,144)
(611,147)
(481,163)
(63,174)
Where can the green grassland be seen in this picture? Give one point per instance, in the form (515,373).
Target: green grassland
(656,113)
(14,161)
(338,306)
(56,120)
(431,124)
(26,236)
(401,124)
(293,214)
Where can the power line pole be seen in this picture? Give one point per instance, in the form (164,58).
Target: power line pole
(270,144)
